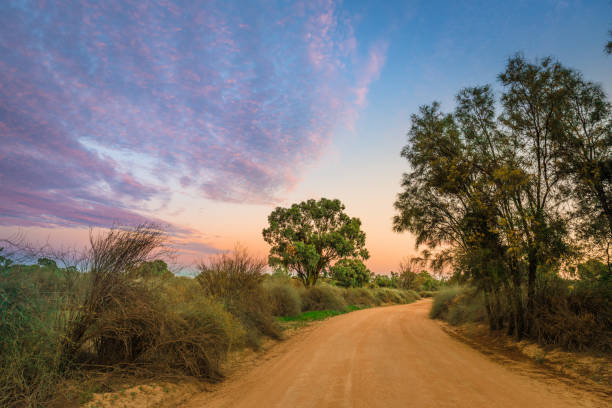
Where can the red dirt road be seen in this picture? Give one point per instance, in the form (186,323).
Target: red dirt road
(385,357)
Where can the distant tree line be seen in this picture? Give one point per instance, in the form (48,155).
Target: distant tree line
(510,189)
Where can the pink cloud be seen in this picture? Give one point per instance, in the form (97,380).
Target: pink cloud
(218,99)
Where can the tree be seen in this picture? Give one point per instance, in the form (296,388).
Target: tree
(448,200)
(152,269)
(386,281)
(48,263)
(308,236)
(487,190)
(350,273)
(534,104)
(586,157)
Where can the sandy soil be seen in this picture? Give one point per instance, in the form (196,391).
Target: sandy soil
(386,357)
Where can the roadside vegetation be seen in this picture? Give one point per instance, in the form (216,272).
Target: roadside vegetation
(117,309)
(513,194)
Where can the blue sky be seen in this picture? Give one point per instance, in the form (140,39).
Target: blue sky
(206,115)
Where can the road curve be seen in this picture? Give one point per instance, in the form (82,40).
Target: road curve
(384,357)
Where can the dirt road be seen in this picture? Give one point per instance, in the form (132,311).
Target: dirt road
(385,357)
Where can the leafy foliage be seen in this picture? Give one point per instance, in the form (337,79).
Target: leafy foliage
(350,273)
(500,196)
(308,236)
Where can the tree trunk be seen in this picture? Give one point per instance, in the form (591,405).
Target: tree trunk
(533,267)
(490,314)
(499,316)
(516,322)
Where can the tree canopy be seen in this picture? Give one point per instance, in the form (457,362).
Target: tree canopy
(307,237)
(350,273)
(502,195)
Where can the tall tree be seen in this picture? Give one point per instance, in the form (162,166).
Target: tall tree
(489,189)
(586,157)
(308,236)
(534,102)
(447,199)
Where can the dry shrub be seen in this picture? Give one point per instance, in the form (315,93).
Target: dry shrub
(467,308)
(323,297)
(236,279)
(148,322)
(444,299)
(395,296)
(232,275)
(153,325)
(360,297)
(410,296)
(195,339)
(111,293)
(284,297)
(577,317)
(127,327)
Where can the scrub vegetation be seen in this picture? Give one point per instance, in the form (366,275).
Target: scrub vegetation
(119,309)
(514,194)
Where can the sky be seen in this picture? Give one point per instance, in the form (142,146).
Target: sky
(204,116)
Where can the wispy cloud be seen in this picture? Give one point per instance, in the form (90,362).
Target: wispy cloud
(230,100)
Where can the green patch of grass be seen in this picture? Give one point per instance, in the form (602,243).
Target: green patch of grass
(318,314)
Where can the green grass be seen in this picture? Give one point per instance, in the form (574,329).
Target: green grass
(317,315)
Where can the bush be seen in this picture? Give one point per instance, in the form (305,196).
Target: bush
(410,295)
(350,273)
(443,300)
(236,280)
(195,338)
(360,297)
(284,298)
(116,312)
(126,311)
(384,281)
(232,275)
(30,332)
(388,295)
(323,297)
(576,315)
(467,308)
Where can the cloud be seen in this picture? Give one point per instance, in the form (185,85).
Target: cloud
(371,71)
(230,100)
